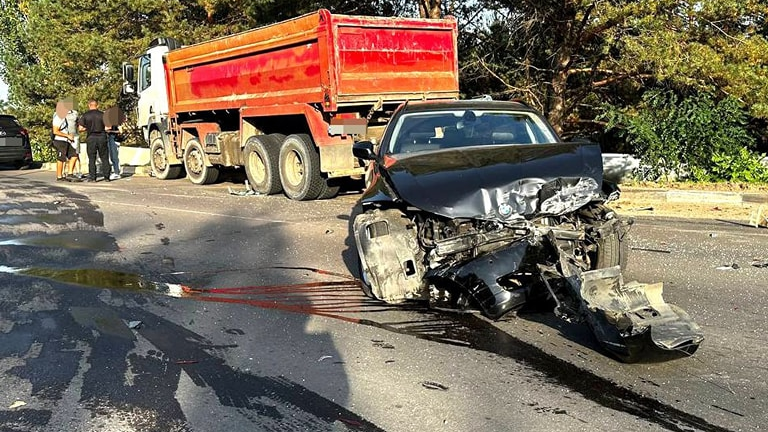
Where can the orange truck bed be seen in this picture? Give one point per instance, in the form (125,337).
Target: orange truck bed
(329,61)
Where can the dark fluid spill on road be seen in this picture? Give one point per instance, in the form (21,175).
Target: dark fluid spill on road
(95,278)
(477,333)
(88,240)
(466,330)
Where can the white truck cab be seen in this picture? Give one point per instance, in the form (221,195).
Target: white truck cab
(150,86)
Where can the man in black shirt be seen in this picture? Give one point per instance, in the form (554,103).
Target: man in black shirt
(92,121)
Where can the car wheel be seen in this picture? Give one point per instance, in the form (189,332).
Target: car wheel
(300,168)
(194,163)
(612,250)
(159,160)
(262,164)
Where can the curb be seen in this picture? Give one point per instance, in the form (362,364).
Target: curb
(139,171)
(699,196)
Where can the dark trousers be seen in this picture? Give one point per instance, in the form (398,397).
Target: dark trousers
(97,144)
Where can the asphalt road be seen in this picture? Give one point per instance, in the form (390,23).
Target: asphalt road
(271,333)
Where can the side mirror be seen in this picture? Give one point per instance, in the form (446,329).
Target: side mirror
(363,150)
(128,72)
(127,89)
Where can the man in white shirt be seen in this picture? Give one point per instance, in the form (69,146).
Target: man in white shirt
(62,139)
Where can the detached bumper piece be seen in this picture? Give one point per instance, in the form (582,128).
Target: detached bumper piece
(632,320)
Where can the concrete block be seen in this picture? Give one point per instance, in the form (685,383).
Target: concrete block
(704,197)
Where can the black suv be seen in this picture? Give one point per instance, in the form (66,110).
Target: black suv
(14,142)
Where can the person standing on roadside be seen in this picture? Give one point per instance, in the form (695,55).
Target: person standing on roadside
(113,121)
(92,122)
(61,140)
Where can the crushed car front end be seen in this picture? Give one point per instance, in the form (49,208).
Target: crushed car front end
(478,205)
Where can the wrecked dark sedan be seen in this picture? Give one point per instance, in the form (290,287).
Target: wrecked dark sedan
(478,205)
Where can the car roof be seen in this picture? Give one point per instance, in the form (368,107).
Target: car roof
(417,106)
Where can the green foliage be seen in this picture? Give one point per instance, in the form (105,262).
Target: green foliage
(568,58)
(52,50)
(744,167)
(697,136)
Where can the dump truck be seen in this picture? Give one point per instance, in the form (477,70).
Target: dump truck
(288,100)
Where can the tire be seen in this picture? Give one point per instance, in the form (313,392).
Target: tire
(194,163)
(612,250)
(331,188)
(300,168)
(262,164)
(159,160)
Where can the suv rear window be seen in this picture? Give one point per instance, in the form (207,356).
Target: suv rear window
(9,122)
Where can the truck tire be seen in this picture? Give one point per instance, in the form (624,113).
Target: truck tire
(300,168)
(194,163)
(159,160)
(262,164)
(331,188)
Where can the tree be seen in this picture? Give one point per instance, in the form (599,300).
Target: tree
(569,57)
(52,50)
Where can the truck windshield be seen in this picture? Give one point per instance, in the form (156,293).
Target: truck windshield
(435,130)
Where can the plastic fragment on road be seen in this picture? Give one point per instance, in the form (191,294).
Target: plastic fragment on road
(733,266)
(247,192)
(17,404)
(434,385)
(759,217)
(134,324)
(622,315)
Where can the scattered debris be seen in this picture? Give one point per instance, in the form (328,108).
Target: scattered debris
(134,324)
(329,231)
(759,217)
(382,344)
(434,385)
(642,209)
(733,266)
(651,250)
(17,404)
(713,235)
(185,362)
(165,241)
(759,263)
(247,192)
(160,225)
(325,357)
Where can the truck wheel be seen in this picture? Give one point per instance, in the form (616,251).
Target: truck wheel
(194,162)
(331,188)
(262,164)
(300,168)
(158,159)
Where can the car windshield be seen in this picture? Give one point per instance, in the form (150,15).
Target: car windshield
(434,130)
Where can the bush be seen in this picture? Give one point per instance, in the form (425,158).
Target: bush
(694,137)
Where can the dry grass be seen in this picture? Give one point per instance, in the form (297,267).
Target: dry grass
(650,199)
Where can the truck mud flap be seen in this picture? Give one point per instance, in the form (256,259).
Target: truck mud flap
(632,320)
